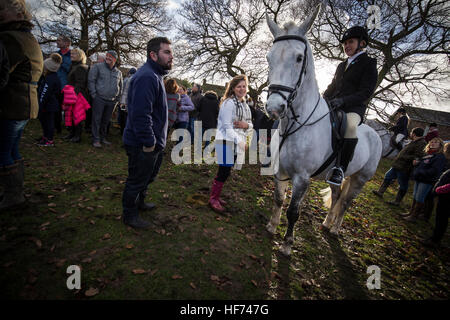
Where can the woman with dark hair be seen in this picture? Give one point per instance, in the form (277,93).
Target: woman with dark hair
(426,172)
(233,128)
(173,100)
(208,111)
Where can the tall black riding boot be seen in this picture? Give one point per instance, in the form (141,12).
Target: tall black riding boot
(346,155)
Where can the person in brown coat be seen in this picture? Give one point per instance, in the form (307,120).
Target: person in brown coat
(403,165)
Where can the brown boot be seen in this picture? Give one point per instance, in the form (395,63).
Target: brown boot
(398,198)
(417,210)
(411,210)
(382,188)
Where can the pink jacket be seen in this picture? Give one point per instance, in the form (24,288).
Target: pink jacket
(74,106)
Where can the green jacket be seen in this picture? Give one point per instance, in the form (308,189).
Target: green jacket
(404,160)
(19,98)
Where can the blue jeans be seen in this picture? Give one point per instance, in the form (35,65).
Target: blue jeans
(10,134)
(401,177)
(143,167)
(421,191)
(191,128)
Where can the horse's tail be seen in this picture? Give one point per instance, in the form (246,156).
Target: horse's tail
(326,197)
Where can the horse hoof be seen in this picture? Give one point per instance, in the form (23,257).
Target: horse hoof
(334,232)
(271,229)
(286,250)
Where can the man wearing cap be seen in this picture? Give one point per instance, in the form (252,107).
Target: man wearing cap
(145,133)
(352,86)
(105,86)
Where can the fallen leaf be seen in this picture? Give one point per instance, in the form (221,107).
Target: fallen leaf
(106,236)
(255,283)
(214,278)
(92,252)
(87,260)
(45,224)
(153,272)
(37,242)
(91,292)
(60,263)
(176,276)
(90,208)
(52,204)
(139,271)
(129,246)
(192,285)
(92,222)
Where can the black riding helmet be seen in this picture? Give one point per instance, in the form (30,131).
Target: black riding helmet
(357,32)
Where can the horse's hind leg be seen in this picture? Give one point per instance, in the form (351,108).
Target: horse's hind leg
(299,187)
(279,196)
(350,191)
(335,193)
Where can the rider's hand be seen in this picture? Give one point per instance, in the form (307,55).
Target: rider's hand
(148,149)
(337,102)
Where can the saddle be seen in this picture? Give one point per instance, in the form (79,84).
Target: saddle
(338,120)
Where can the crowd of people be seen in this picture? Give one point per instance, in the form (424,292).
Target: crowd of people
(150,104)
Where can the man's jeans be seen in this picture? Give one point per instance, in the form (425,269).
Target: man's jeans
(10,134)
(101,114)
(143,168)
(401,177)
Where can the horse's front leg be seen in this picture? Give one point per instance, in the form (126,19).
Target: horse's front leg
(299,187)
(279,196)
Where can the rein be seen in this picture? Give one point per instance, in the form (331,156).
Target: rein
(279,89)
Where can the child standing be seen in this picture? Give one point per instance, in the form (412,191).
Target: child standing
(49,93)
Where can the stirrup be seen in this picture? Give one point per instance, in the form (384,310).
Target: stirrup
(331,174)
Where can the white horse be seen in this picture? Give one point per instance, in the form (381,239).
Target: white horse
(388,150)
(305,132)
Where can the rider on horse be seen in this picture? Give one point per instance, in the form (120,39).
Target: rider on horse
(400,129)
(353,84)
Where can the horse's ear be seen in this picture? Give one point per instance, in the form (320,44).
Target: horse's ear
(307,24)
(274,28)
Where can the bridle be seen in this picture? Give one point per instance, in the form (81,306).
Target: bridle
(279,89)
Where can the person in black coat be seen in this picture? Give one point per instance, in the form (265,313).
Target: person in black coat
(208,111)
(353,84)
(400,129)
(441,190)
(49,95)
(426,173)
(4,66)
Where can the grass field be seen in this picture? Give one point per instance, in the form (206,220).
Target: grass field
(72,217)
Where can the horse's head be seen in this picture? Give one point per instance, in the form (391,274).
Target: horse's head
(287,60)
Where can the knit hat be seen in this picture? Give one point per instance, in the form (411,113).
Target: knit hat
(53,63)
(113,53)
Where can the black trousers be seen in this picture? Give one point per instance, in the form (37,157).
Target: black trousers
(47,120)
(442,214)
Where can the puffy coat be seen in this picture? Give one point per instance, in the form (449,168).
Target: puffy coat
(19,98)
(430,168)
(75,106)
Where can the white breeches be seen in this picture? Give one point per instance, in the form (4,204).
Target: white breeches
(353,120)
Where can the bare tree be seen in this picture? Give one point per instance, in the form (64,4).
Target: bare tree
(411,47)
(121,25)
(222,38)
